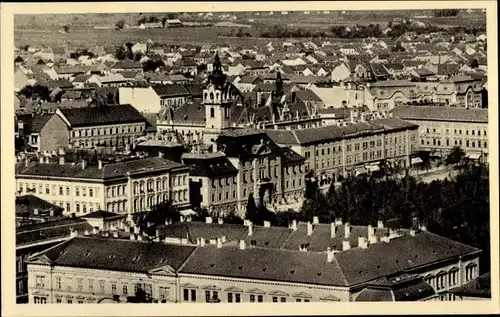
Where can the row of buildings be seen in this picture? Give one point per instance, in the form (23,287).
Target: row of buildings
(212,262)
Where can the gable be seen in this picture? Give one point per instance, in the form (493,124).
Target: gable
(40,260)
(164,270)
(256,291)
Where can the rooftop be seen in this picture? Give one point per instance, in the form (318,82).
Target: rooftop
(111,114)
(441,114)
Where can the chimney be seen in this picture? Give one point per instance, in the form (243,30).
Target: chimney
(95,230)
(347,230)
(188,218)
(51,212)
(27,161)
(412,232)
(160,154)
(36,211)
(84,164)
(224,239)
(219,243)
(338,221)
(309,228)
(139,237)
(330,255)
(86,233)
(373,239)
(242,245)
(208,220)
(371,231)
(202,242)
(294,225)
(267,224)
(362,242)
(115,234)
(73,233)
(99,164)
(250,229)
(47,159)
(61,160)
(221,221)
(132,237)
(182,218)
(380,224)
(346,245)
(41,159)
(315,220)
(333,230)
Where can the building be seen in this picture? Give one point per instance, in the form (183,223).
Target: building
(476,289)
(217,262)
(336,151)
(37,237)
(111,125)
(171,95)
(31,209)
(442,128)
(123,187)
(47,132)
(143,99)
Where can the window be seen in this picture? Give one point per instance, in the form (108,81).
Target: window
(298,300)
(77,191)
(47,189)
(441,279)
(40,281)
(163,292)
(124,290)
(58,301)
(252,298)
(283,299)
(70,301)
(193,295)
(91,285)
(229,297)
(40,300)
(275,299)
(67,191)
(238,298)
(212,112)
(113,287)
(80,284)
(101,286)
(186,295)
(91,192)
(260,298)
(61,191)
(58,282)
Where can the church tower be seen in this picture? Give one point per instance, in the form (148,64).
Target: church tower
(217,102)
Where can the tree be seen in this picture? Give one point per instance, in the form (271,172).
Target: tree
(156,216)
(474,63)
(26,91)
(41,92)
(120,25)
(251,211)
(456,155)
(121,53)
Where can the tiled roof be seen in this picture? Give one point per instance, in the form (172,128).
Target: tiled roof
(308,95)
(170,90)
(111,114)
(108,171)
(28,203)
(479,287)
(100,214)
(264,264)
(191,112)
(282,136)
(107,254)
(441,114)
(211,167)
(36,123)
(392,83)
(126,64)
(49,231)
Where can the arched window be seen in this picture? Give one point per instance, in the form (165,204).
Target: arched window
(211,95)
(212,112)
(217,96)
(205,96)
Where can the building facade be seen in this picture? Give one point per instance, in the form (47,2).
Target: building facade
(442,128)
(124,187)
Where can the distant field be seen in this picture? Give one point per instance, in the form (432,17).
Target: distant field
(43,29)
